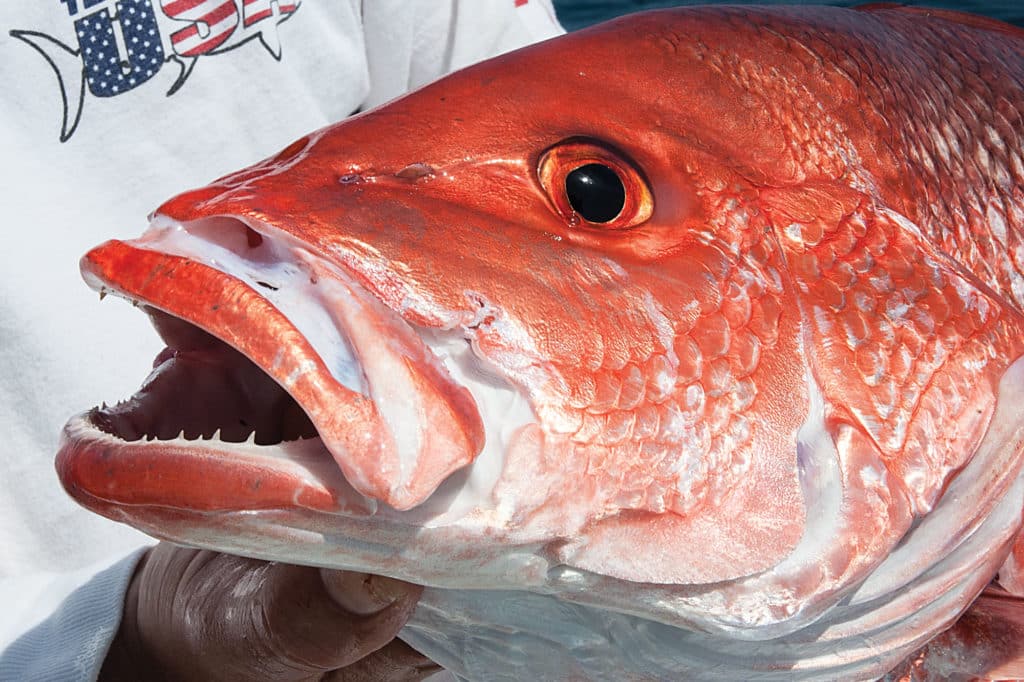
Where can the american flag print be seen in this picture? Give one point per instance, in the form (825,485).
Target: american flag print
(108,70)
(122,44)
(213,22)
(258,10)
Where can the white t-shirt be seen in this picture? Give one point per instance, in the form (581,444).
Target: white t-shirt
(110,107)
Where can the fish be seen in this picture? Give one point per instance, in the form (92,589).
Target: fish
(686,346)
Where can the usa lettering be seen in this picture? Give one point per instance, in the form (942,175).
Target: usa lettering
(212,23)
(122,44)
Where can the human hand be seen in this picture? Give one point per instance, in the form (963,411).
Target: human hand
(199,615)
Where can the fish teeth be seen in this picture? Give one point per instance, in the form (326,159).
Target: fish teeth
(251,438)
(216,435)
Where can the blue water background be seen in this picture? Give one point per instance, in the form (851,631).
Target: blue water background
(579,13)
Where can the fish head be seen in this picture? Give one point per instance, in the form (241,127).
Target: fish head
(474,347)
(534,326)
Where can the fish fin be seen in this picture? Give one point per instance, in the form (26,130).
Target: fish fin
(986,643)
(909,346)
(271,42)
(185,64)
(67,65)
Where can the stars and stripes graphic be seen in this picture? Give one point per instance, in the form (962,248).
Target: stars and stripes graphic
(118,45)
(258,10)
(213,22)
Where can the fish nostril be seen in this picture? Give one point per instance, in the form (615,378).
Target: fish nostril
(415,171)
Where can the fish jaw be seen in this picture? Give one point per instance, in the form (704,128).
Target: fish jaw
(387,451)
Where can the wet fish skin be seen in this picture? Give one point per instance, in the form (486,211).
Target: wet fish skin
(773,421)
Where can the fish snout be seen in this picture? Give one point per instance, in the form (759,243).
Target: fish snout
(382,404)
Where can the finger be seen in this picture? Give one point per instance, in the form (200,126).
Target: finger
(364,593)
(307,627)
(198,612)
(395,662)
(238,618)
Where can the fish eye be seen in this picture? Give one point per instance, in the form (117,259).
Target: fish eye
(595,192)
(591,185)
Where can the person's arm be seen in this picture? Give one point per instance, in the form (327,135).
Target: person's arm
(83,611)
(412,42)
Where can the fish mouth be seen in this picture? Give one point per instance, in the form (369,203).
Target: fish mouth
(208,431)
(285,383)
(219,394)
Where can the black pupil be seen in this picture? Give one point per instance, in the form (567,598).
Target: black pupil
(595,192)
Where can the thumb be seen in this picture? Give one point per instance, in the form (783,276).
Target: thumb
(326,620)
(365,593)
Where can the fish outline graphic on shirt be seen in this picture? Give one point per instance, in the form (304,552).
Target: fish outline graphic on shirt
(124,43)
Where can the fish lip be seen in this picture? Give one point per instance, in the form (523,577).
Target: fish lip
(225,306)
(101,470)
(107,474)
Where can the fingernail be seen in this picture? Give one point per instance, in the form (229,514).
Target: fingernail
(388,590)
(362,593)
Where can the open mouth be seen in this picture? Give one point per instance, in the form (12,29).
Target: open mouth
(284,383)
(201,388)
(208,431)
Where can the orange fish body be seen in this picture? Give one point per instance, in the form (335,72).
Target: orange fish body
(686,346)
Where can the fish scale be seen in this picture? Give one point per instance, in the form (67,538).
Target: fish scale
(952,122)
(882,403)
